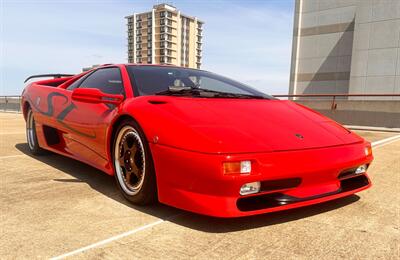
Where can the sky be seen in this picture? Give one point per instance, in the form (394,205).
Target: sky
(249,41)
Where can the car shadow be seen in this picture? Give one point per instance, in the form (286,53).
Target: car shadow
(105,184)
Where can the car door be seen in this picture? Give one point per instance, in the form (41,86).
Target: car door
(87,122)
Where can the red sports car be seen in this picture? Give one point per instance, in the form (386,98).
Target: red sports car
(195,140)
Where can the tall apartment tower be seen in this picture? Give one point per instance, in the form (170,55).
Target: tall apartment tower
(165,36)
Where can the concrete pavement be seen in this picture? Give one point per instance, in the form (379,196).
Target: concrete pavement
(51,205)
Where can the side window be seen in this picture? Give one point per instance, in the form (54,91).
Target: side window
(77,82)
(107,80)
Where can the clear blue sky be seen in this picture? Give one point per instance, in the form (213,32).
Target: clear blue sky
(249,41)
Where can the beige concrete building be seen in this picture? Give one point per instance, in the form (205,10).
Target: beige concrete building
(165,36)
(350,46)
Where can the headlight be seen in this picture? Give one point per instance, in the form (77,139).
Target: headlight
(361,169)
(250,188)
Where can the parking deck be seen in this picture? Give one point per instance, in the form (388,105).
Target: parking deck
(53,206)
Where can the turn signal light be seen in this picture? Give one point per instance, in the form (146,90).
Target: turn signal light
(237,167)
(368,150)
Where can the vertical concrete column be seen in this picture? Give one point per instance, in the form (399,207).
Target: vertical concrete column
(153,36)
(134,38)
(295,46)
(179,40)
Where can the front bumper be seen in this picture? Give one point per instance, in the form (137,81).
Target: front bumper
(194,181)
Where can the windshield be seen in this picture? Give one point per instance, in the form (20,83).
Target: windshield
(164,80)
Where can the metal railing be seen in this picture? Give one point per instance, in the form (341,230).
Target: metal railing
(334,96)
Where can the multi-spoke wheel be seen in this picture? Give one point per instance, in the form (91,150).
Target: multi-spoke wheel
(133,164)
(31,136)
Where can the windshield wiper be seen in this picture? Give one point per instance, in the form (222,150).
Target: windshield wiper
(200,92)
(237,95)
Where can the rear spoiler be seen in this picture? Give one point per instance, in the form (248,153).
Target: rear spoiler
(56,76)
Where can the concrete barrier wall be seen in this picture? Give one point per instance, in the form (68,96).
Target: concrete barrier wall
(12,104)
(379,113)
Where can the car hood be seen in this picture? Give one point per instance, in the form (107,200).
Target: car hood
(242,125)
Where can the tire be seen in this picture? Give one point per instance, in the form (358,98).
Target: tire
(133,164)
(31,136)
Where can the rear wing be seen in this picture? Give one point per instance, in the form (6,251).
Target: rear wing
(56,76)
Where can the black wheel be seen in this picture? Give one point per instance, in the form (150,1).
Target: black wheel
(133,164)
(31,136)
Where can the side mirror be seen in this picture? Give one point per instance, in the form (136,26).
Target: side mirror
(95,96)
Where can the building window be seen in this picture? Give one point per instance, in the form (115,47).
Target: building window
(148,59)
(169,60)
(162,59)
(169,22)
(169,37)
(148,52)
(162,44)
(162,37)
(149,37)
(169,14)
(162,52)
(162,22)
(169,29)
(162,29)
(139,60)
(169,52)
(138,46)
(149,30)
(149,23)
(149,15)
(149,45)
(169,45)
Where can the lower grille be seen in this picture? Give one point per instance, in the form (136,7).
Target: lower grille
(277,199)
